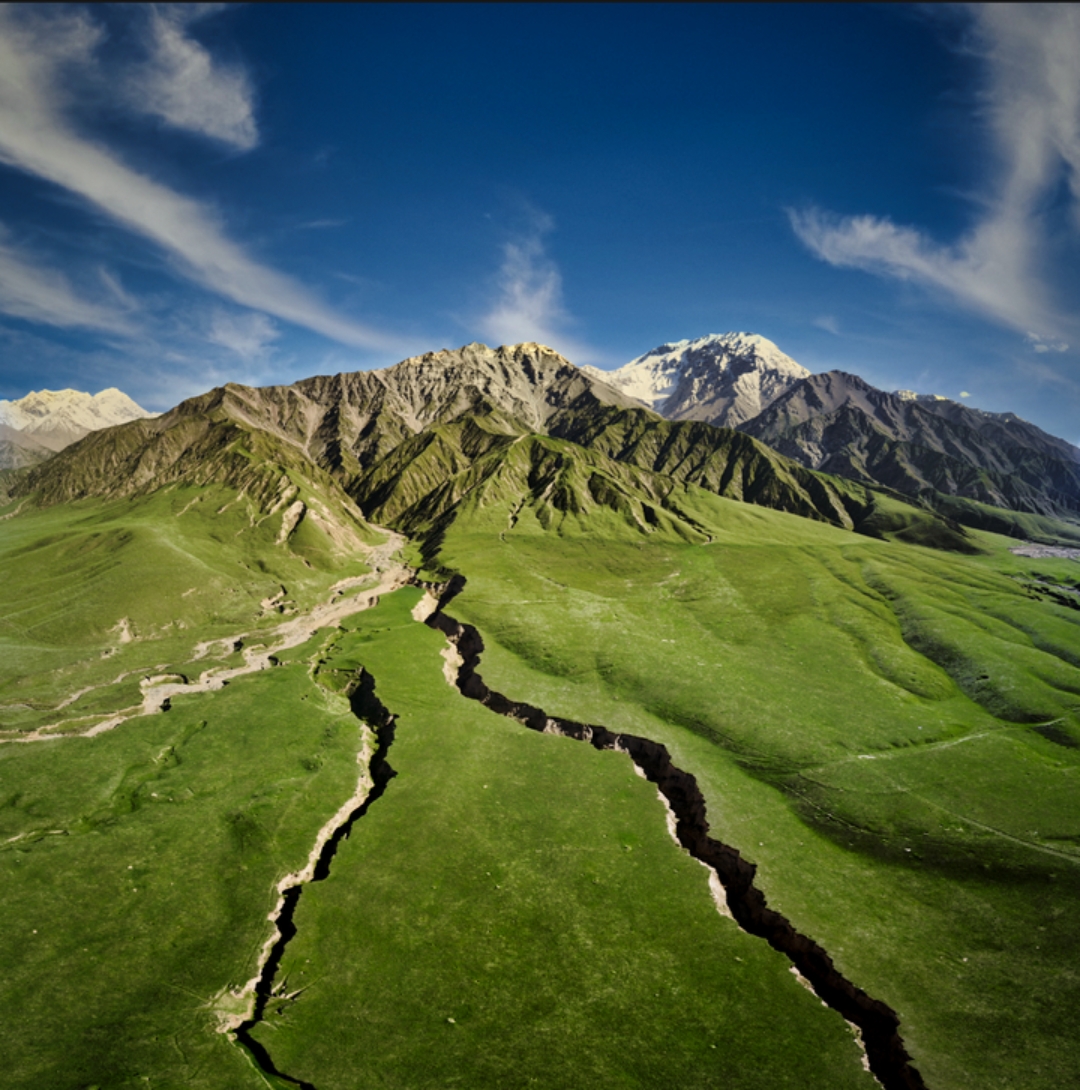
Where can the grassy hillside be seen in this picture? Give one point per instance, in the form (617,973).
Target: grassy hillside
(138,868)
(140,863)
(513,912)
(96,597)
(889,732)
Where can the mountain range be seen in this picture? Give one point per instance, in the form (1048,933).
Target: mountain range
(46,421)
(923,446)
(971,466)
(940,452)
(416,444)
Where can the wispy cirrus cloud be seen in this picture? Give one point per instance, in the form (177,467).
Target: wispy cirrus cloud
(185,87)
(248,335)
(991,271)
(1031,55)
(37,46)
(1041,344)
(528,304)
(31,290)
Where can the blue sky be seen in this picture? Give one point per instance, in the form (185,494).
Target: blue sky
(201,194)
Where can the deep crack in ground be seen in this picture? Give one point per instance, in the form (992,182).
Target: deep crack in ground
(367,707)
(878,1023)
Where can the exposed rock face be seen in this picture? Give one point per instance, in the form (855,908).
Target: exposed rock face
(18,450)
(415,445)
(365,414)
(54,419)
(345,424)
(919,444)
(723,379)
(840,424)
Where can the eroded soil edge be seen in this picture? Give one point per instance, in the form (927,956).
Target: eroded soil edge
(367,707)
(878,1023)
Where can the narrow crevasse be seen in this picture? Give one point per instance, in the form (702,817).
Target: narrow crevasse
(877,1023)
(367,707)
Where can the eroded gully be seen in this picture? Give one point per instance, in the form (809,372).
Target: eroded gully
(877,1023)
(367,707)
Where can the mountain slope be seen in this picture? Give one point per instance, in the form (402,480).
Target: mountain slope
(838,423)
(18,449)
(408,444)
(959,460)
(344,423)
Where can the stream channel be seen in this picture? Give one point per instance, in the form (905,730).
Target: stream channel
(877,1024)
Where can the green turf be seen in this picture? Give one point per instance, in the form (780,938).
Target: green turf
(889,731)
(171,570)
(512,912)
(137,870)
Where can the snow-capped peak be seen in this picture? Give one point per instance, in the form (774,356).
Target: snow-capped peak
(910,395)
(723,377)
(57,418)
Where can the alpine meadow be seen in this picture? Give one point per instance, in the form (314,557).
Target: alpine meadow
(263,826)
(399,689)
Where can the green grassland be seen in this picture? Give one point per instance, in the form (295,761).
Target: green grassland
(138,869)
(96,596)
(890,732)
(512,912)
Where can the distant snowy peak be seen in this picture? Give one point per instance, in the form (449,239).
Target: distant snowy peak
(57,418)
(910,395)
(724,378)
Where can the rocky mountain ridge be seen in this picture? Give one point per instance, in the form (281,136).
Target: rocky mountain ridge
(921,445)
(409,445)
(18,450)
(941,452)
(404,442)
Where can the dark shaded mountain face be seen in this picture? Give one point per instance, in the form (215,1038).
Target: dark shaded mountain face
(415,445)
(837,423)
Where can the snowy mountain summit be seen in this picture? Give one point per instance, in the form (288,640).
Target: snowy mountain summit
(57,418)
(723,378)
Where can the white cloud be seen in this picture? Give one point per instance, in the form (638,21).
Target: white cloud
(529,304)
(34,137)
(248,335)
(530,290)
(37,293)
(184,86)
(1040,344)
(828,323)
(988,272)
(1032,58)
(964,393)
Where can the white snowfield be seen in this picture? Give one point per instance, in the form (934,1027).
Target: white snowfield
(910,395)
(724,377)
(57,418)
